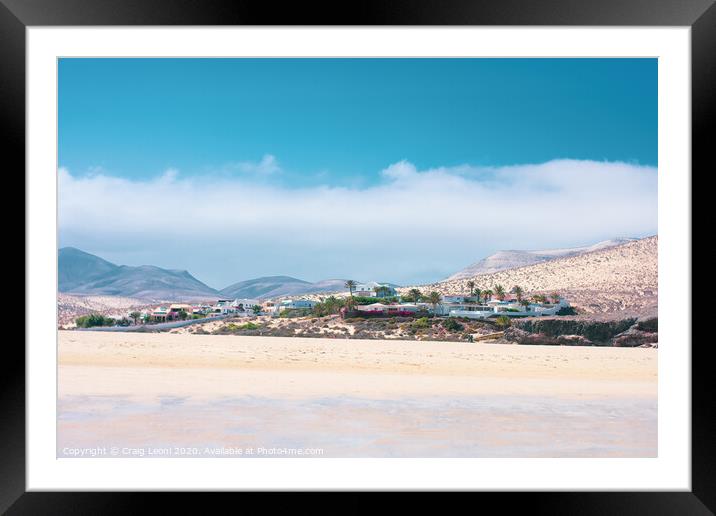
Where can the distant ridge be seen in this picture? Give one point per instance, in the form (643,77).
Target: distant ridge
(503,260)
(84,273)
(277,286)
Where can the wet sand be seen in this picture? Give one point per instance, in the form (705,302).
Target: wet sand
(217,395)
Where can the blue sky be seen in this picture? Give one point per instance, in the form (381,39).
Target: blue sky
(351,129)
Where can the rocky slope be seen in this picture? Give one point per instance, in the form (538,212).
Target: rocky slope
(629,332)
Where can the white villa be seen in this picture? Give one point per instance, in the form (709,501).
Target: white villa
(369,290)
(405,309)
(292,304)
(496,307)
(232,306)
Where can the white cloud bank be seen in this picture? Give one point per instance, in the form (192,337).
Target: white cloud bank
(432,220)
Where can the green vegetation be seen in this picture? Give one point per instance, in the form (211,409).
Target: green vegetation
(329,306)
(434,299)
(477,292)
(413,296)
(503,321)
(421,323)
(451,324)
(290,313)
(93,320)
(517,291)
(135,316)
(500,292)
(234,328)
(363,300)
(566,310)
(256,309)
(351,286)
(381,291)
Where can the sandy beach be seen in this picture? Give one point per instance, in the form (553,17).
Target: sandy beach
(354,397)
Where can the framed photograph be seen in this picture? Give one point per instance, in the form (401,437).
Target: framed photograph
(422,249)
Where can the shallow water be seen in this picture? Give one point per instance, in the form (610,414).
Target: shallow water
(490,426)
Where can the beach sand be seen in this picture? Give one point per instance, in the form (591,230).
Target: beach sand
(352,397)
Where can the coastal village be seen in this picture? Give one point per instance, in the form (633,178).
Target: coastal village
(603,298)
(361,300)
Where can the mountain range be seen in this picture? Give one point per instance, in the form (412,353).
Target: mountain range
(503,260)
(83,273)
(276,286)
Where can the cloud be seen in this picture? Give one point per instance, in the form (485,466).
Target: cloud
(413,221)
(267,166)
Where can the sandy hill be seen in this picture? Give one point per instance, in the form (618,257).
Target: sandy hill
(616,279)
(69,306)
(512,259)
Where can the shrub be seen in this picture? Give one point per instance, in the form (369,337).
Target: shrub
(364,300)
(451,324)
(423,322)
(92,320)
(295,312)
(566,310)
(503,321)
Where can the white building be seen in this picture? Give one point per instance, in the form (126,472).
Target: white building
(369,290)
(496,308)
(293,304)
(245,305)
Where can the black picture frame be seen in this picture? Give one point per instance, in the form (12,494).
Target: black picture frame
(700,15)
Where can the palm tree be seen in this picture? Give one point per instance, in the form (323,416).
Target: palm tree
(526,304)
(500,292)
(555,297)
(256,309)
(135,317)
(488,294)
(350,303)
(517,291)
(381,291)
(434,299)
(539,298)
(351,286)
(477,293)
(415,294)
(471,286)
